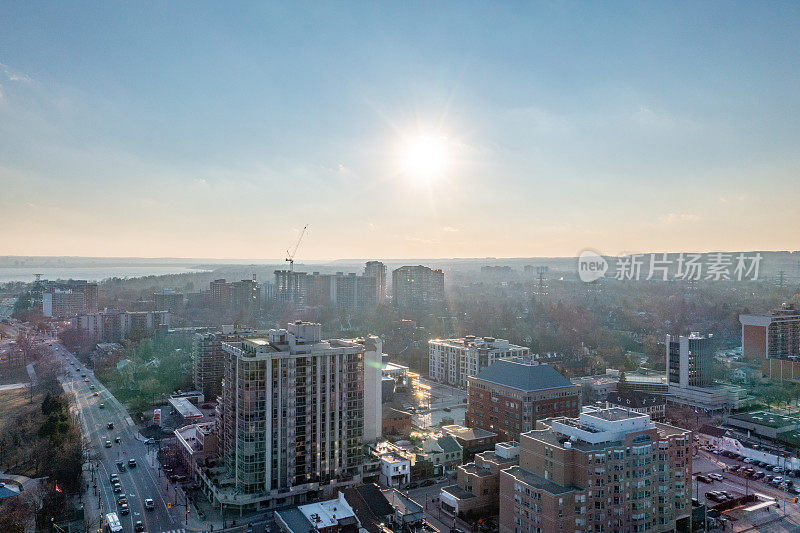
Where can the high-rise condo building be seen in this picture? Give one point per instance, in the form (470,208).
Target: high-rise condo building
(417,288)
(610,470)
(377,270)
(295,413)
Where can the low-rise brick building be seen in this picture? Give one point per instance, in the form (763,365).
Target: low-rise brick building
(509,396)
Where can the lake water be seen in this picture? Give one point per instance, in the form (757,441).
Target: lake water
(26,274)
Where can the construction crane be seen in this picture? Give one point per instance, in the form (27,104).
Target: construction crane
(290,256)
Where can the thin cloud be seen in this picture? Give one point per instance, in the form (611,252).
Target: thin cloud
(13,75)
(678,218)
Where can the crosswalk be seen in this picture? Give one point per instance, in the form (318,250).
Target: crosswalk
(181,530)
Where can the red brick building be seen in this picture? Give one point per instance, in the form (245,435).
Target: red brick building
(510,395)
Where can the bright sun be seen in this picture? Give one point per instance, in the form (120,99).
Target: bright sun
(426,156)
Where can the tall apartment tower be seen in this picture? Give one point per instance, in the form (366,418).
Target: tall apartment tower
(610,470)
(417,288)
(772,336)
(290,286)
(220,291)
(208,358)
(450,361)
(377,270)
(294,415)
(689,360)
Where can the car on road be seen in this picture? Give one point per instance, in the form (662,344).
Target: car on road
(110,425)
(122,499)
(121,466)
(117,487)
(117,439)
(86,380)
(149,504)
(91,386)
(139,526)
(96,394)
(132,463)
(102,406)
(108,444)
(124,509)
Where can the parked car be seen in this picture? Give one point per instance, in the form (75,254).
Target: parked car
(703,478)
(427,483)
(758,475)
(715,476)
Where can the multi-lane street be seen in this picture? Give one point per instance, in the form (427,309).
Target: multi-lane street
(138,483)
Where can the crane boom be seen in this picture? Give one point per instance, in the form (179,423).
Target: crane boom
(290,256)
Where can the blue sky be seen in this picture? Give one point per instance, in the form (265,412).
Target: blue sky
(210,130)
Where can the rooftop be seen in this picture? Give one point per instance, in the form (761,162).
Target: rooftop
(465,433)
(458,492)
(518,373)
(767,418)
(538,482)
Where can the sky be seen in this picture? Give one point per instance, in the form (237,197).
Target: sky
(398,129)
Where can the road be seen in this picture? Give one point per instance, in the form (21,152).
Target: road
(137,483)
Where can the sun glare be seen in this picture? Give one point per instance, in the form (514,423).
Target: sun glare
(426,156)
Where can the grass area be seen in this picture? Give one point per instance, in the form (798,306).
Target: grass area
(15,404)
(14,375)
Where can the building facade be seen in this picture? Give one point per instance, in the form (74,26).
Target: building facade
(478,482)
(208,358)
(509,396)
(607,470)
(113,325)
(293,417)
(772,342)
(377,270)
(417,289)
(451,361)
(63,303)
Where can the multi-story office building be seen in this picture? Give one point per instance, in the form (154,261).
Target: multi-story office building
(295,413)
(610,470)
(509,396)
(63,303)
(772,342)
(450,361)
(689,360)
(417,288)
(689,379)
(377,270)
(113,325)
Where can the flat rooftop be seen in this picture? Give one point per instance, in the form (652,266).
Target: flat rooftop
(185,408)
(767,418)
(466,433)
(538,482)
